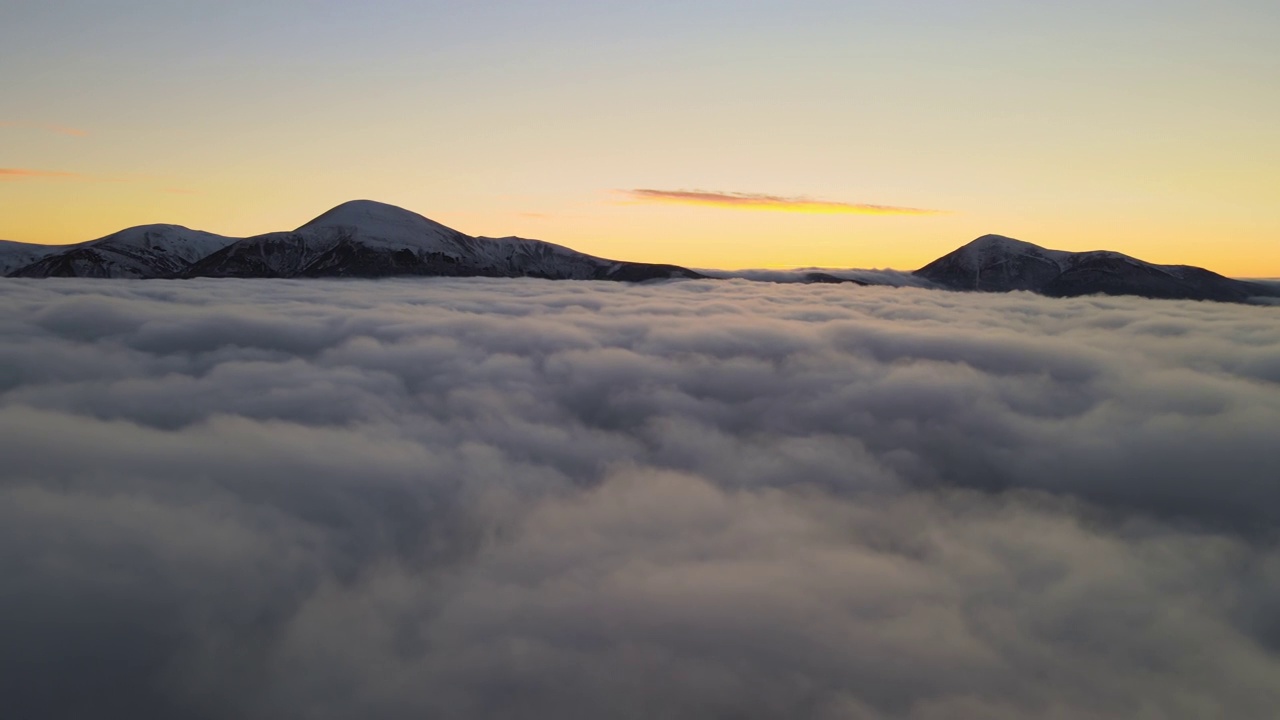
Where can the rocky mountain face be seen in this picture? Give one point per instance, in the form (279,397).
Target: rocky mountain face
(16,255)
(994,263)
(356,239)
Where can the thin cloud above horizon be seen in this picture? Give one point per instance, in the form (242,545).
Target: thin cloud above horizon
(761,201)
(13,174)
(59,129)
(21,174)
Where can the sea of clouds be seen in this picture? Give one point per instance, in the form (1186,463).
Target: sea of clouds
(707,499)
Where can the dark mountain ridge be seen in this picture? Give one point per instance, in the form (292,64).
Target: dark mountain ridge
(994,263)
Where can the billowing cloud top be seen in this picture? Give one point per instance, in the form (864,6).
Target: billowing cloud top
(527,499)
(758,201)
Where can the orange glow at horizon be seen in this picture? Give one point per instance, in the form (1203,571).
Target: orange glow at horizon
(678,233)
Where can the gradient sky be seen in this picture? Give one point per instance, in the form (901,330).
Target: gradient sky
(710,134)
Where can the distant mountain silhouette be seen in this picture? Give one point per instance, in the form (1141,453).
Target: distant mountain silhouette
(994,263)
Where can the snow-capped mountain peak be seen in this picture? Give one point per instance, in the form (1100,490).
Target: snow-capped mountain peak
(177,241)
(364,238)
(137,252)
(993,250)
(371,220)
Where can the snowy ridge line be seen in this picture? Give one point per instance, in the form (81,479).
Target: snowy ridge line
(367,239)
(361,238)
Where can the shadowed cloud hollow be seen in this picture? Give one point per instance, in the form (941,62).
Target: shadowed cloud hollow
(530,499)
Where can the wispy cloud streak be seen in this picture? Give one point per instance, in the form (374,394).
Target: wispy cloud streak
(760,201)
(12,174)
(59,129)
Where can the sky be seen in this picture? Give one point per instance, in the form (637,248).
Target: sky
(708,134)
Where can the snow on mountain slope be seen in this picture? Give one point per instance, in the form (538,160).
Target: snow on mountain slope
(535,257)
(990,250)
(280,254)
(172,241)
(136,252)
(363,238)
(994,263)
(381,226)
(380,223)
(15,255)
(366,239)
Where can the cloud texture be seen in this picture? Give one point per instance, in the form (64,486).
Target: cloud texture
(713,499)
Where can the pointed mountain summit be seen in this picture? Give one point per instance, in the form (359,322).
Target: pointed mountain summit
(994,263)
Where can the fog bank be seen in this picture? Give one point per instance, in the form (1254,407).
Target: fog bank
(528,499)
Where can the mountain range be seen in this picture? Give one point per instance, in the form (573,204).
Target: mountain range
(366,239)
(360,238)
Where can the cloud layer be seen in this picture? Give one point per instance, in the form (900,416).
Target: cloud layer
(528,499)
(758,201)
